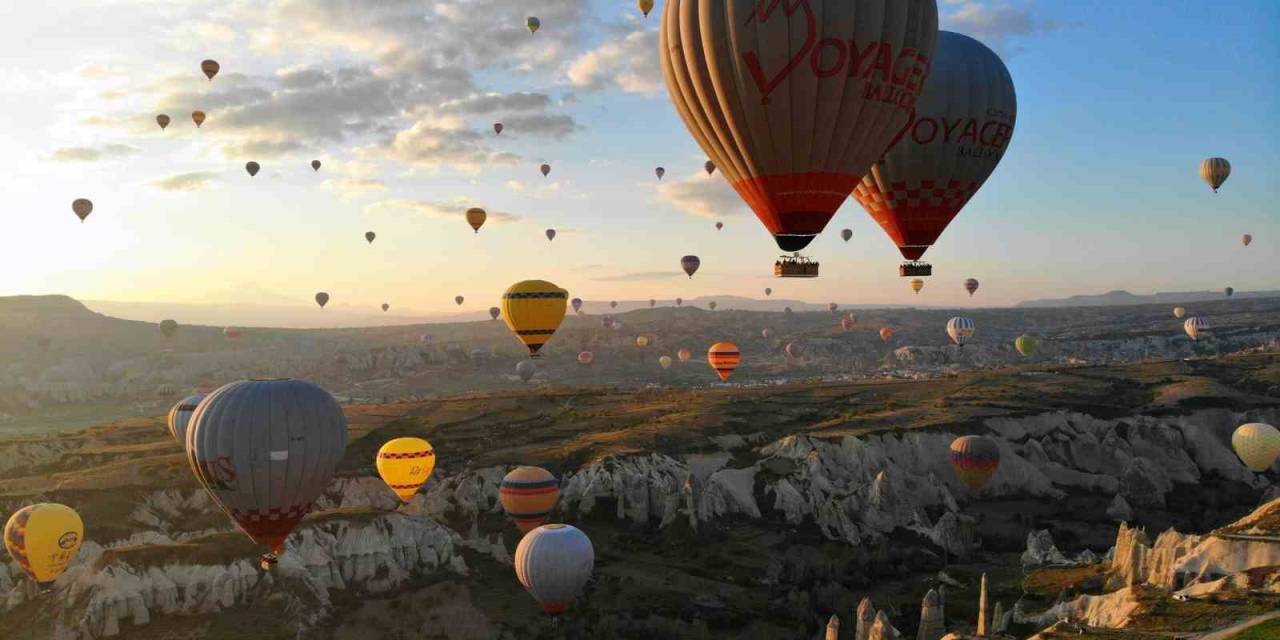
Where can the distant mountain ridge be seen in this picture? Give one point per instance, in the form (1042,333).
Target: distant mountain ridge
(1122,298)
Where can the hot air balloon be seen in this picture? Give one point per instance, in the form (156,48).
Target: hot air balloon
(586,357)
(960,329)
(494,312)
(405,464)
(832,307)
(43,539)
(724,358)
(679,301)
(916,285)
(1246,239)
(163,121)
(528,494)
(645,6)
(794,349)
(458,300)
(526,370)
(1179,312)
(642,341)
(1215,171)
(846,234)
(1257,444)
(1026,345)
(315,165)
(613,304)
(82,207)
(497,128)
(322,299)
(768,291)
(168,328)
(1194,327)
(476,217)
(577,304)
(971,285)
(369,236)
(690,264)
(846,324)
(975,459)
(180,417)
(252,168)
(719,226)
(551,234)
(660,172)
(1229,291)
(740,79)
(385,307)
(652,303)
(533,24)
(787,310)
(709,166)
(886,334)
(664,362)
(534,310)
(546,170)
(198,117)
(684,355)
(210,68)
(231,333)
(554,562)
(958,134)
(711,305)
(265,450)
(766,333)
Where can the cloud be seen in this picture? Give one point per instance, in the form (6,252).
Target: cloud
(260,148)
(91,154)
(556,127)
(627,64)
(638,276)
(454,208)
(193,181)
(435,142)
(355,185)
(514,185)
(99,70)
(702,196)
(993,22)
(479,104)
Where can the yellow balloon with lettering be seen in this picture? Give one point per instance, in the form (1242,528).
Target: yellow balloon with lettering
(405,464)
(43,539)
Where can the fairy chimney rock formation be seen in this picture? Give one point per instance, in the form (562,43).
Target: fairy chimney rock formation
(864,619)
(982,608)
(833,627)
(932,626)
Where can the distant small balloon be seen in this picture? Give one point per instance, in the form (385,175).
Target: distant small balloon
(665,362)
(1229,291)
(795,349)
(526,369)
(168,328)
(586,357)
(1179,312)
(711,305)
(210,68)
(533,24)
(82,208)
(768,291)
(315,165)
(684,355)
(719,226)
(916,285)
(642,341)
(322,299)
(231,333)
(645,6)
(886,334)
(495,312)
(385,307)
(1215,171)
(369,236)
(577,304)
(497,128)
(846,234)
(252,167)
(846,324)
(458,300)
(971,285)
(690,264)
(679,301)
(198,117)
(710,167)
(766,333)
(652,303)
(1246,239)
(163,121)
(1026,345)
(660,172)
(551,234)
(476,217)
(833,307)
(546,170)
(613,304)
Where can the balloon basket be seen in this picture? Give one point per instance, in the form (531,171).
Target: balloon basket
(795,266)
(915,269)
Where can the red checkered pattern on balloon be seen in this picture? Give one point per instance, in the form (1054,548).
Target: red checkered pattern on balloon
(926,195)
(273,514)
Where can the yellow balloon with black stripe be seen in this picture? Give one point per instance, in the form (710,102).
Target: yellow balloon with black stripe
(43,539)
(534,310)
(405,464)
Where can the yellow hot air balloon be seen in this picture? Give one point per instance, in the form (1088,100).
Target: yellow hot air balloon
(43,539)
(917,285)
(533,24)
(645,6)
(642,341)
(405,464)
(1257,444)
(534,310)
(664,362)
(476,217)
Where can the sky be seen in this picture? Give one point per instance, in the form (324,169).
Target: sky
(1118,102)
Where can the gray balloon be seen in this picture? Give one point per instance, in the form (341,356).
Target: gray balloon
(526,369)
(265,450)
(180,417)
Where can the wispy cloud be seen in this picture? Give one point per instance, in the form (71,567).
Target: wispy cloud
(994,22)
(454,208)
(624,63)
(702,196)
(91,154)
(193,181)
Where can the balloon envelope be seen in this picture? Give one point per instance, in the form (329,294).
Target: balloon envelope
(1215,171)
(1246,239)
(476,217)
(586,357)
(690,264)
(315,165)
(960,329)
(768,291)
(494,312)
(405,464)
(1257,444)
(846,234)
(1026,345)
(554,563)
(886,334)
(162,120)
(545,169)
(369,236)
(527,495)
(917,284)
(526,370)
(742,75)
(645,6)
(210,68)
(82,207)
(498,127)
(168,328)
(724,358)
(660,172)
(551,234)
(577,304)
(709,167)
(252,168)
(1194,327)
(684,355)
(975,459)
(385,306)
(971,285)
(795,349)
(458,300)
(43,539)
(1179,312)
(322,299)
(180,417)
(533,24)
(959,131)
(533,310)
(664,362)
(198,117)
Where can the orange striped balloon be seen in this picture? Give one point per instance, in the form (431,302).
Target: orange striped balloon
(724,358)
(528,494)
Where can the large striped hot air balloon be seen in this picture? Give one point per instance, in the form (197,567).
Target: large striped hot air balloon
(180,417)
(975,459)
(265,450)
(534,310)
(405,464)
(724,358)
(1257,444)
(690,265)
(43,539)
(958,134)
(1195,326)
(960,329)
(1215,171)
(528,494)
(554,563)
(743,73)
(971,285)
